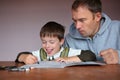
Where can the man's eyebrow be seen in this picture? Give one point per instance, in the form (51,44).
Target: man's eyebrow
(81,19)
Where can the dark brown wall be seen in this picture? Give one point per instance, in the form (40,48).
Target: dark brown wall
(112,8)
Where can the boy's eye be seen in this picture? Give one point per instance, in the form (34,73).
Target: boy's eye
(52,42)
(43,42)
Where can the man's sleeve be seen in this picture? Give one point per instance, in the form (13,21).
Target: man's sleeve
(87,55)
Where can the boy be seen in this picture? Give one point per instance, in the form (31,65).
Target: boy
(52,37)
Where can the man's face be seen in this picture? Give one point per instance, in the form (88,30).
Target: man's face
(85,21)
(51,45)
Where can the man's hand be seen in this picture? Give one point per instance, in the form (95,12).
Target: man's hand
(28,58)
(110,56)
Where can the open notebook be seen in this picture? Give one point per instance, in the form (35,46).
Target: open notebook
(53,64)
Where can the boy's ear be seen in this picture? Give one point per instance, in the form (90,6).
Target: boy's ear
(62,41)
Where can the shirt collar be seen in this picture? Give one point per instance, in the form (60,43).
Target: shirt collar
(56,55)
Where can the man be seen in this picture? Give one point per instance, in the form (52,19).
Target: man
(95,31)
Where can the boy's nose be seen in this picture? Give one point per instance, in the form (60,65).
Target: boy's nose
(47,45)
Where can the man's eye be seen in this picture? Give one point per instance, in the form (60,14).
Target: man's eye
(74,20)
(81,20)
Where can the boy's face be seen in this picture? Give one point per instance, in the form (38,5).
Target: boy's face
(51,45)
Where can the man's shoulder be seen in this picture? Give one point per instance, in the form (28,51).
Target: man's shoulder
(115,22)
(115,25)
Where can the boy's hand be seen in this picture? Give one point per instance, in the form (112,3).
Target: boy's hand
(68,59)
(28,58)
(110,56)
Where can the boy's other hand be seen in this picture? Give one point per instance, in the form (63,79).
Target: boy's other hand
(68,59)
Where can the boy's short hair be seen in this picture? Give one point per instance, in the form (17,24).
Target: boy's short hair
(52,29)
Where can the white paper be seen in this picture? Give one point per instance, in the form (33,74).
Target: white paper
(54,64)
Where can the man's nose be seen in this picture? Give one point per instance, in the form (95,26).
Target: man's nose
(78,25)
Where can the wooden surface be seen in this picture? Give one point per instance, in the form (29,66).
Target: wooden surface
(106,72)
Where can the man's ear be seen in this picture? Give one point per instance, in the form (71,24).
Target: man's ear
(98,16)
